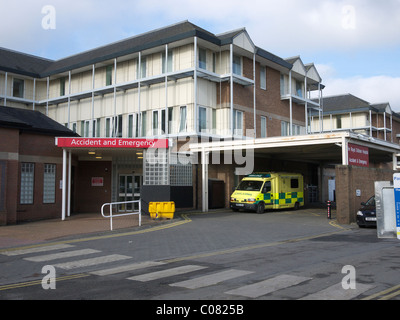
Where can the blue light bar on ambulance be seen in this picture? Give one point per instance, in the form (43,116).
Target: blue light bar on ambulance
(259,175)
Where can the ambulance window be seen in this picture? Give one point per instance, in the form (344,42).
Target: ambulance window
(267,187)
(294,183)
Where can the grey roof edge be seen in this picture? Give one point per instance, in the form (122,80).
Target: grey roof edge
(274,58)
(32,121)
(95,55)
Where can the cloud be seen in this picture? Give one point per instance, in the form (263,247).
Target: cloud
(375,89)
(277,25)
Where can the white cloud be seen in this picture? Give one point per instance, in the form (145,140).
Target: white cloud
(376,89)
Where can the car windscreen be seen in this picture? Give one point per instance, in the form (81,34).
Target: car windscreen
(249,185)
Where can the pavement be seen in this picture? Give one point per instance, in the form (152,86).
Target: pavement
(54,229)
(37,232)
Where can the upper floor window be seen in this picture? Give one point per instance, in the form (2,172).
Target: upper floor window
(202,119)
(142,68)
(202,58)
(182,119)
(263,78)
(18,88)
(237,65)
(109,75)
(167,63)
(299,89)
(238,122)
(62,87)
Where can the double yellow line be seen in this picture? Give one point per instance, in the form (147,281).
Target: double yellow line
(386,294)
(37,282)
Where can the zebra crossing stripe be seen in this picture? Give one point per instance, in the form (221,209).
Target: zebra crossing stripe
(129,267)
(262,288)
(211,279)
(166,273)
(91,262)
(336,292)
(11,253)
(60,255)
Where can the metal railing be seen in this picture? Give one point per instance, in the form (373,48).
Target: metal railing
(115,215)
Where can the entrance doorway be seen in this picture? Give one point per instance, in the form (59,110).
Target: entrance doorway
(129,190)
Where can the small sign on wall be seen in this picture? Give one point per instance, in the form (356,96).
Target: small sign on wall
(358,156)
(97,181)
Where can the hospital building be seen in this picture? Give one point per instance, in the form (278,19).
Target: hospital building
(179,114)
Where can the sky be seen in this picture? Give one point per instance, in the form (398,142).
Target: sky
(355,44)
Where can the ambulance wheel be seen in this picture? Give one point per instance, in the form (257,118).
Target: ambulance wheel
(296,206)
(260,208)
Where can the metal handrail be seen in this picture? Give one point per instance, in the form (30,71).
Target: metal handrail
(111,216)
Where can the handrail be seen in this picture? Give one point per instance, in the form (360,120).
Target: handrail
(111,216)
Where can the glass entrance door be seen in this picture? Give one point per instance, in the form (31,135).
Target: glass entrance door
(129,190)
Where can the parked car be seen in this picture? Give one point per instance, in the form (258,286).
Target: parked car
(366,215)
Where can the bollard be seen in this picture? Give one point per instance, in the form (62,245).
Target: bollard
(329,210)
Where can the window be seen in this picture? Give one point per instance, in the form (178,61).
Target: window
(170,119)
(202,58)
(156,168)
(214,121)
(18,88)
(284,129)
(96,129)
(294,183)
(263,78)
(27,183)
(118,126)
(90,128)
(163,121)
(109,75)
(49,183)
(114,127)
(267,187)
(133,125)
(155,123)
(143,123)
(339,122)
(299,89)
(263,127)
(238,122)
(143,68)
(237,65)
(169,62)
(73,127)
(62,87)
(202,119)
(283,91)
(182,122)
(214,63)
(296,129)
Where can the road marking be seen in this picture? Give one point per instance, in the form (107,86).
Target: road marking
(211,279)
(129,267)
(39,282)
(336,292)
(91,262)
(60,255)
(166,273)
(36,249)
(385,295)
(262,288)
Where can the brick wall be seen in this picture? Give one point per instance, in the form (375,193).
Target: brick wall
(268,102)
(348,180)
